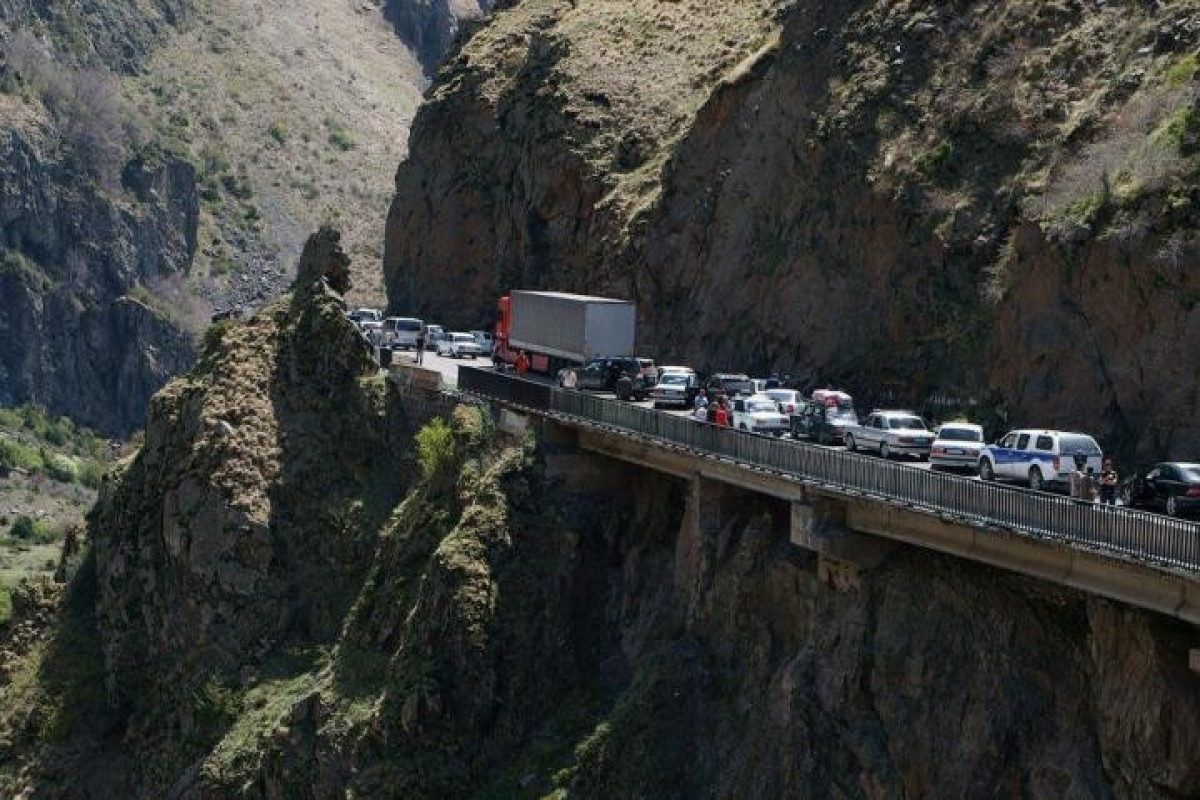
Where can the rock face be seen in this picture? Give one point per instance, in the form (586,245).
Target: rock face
(985,207)
(96,237)
(78,336)
(429,27)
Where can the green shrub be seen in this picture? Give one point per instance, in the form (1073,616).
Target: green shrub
(936,161)
(278,132)
(17,454)
(24,528)
(216,705)
(61,468)
(1180,73)
(435,452)
(91,472)
(1181,131)
(340,138)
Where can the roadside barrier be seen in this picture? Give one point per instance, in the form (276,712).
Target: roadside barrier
(1165,541)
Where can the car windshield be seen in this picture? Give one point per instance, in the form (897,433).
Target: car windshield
(840,415)
(1077,443)
(408,324)
(463,337)
(673,380)
(960,435)
(1190,473)
(906,424)
(760,405)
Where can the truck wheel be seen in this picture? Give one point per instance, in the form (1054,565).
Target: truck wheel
(986,473)
(1035,479)
(850,443)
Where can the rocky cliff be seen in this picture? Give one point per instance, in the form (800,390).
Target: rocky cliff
(289,595)
(162,160)
(430,27)
(975,205)
(97,230)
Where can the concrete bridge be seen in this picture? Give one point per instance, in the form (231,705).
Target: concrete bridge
(847,507)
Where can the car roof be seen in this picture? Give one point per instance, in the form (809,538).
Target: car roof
(968,425)
(676,369)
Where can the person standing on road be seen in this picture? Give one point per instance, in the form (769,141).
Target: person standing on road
(701,401)
(421,345)
(1108,482)
(721,416)
(1077,480)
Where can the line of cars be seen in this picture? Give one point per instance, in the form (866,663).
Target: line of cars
(1041,459)
(403,333)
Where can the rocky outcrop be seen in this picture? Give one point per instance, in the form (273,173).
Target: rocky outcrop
(118,35)
(983,209)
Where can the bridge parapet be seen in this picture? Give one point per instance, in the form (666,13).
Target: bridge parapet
(1134,556)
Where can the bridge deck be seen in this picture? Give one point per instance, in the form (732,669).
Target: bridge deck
(1137,557)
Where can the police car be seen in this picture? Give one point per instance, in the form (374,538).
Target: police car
(1041,459)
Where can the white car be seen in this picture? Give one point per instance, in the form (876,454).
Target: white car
(758,413)
(485,342)
(675,389)
(458,345)
(957,446)
(789,400)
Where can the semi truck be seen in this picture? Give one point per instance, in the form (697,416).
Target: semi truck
(556,330)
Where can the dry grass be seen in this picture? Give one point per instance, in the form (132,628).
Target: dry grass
(625,122)
(302,108)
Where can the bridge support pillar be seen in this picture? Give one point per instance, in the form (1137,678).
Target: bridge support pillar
(711,523)
(819,525)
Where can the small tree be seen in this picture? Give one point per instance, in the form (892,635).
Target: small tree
(24,527)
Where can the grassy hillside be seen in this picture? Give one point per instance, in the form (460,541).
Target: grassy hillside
(49,473)
(295,114)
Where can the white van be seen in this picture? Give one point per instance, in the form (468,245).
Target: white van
(400,333)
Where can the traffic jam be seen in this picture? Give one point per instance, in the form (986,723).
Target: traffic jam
(587,343)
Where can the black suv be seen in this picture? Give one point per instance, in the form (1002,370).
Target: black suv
(824,424)
(728,384)
(605,374)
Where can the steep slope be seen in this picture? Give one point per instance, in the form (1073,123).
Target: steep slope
(989,206)
(87,222)
(526,633)
(161,160)
(296,114)
(430,27)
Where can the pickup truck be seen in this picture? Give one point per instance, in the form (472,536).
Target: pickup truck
(889,433)
(758,414)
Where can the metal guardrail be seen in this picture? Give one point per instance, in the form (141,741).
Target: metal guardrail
(1146,537)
